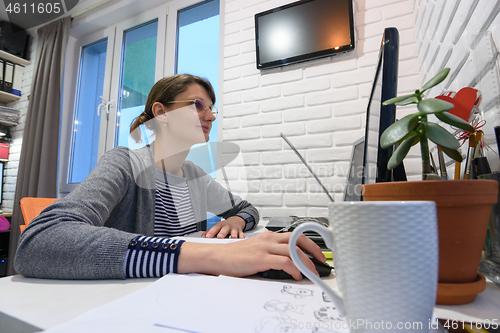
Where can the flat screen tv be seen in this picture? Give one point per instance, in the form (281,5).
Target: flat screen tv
(303,30)
(379,117)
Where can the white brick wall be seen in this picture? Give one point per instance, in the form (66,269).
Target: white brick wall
(448,37)
(11,167)
(320,105)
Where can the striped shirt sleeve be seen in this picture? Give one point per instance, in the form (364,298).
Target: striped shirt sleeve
(148,257)
(249,220)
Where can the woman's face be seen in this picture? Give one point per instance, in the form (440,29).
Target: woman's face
(184,121)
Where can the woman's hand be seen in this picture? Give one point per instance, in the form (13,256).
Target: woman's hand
(268,250)
(232,226)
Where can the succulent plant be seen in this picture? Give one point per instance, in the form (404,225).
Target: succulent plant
(415,127)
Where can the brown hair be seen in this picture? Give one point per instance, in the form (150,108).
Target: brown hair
(164,91)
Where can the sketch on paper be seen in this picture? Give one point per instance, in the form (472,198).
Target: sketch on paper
(275,308)
(283,308)
(297,292)
(300,313)
(328,314)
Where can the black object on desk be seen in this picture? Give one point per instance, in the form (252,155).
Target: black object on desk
(322,268)
(4,252)
(479,166)
(497,137)
(289,223)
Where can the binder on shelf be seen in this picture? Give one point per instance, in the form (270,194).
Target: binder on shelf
(8,77)
(18,80)
(2,63)
(4,151)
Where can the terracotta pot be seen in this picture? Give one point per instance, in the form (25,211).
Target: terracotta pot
(463,209)
(460,293)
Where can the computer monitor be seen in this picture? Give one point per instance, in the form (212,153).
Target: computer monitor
(352,191)
(379,117)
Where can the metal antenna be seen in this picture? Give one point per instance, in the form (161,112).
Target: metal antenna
(307,165)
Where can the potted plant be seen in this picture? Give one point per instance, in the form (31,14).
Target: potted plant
(463,206)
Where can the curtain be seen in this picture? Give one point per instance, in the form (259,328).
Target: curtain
(37,173)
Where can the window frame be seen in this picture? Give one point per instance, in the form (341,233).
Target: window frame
(69,96)
(166,14)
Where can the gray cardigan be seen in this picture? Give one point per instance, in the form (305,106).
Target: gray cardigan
(85,235)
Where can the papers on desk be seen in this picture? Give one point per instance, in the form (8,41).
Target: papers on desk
(196,238)
(201,304)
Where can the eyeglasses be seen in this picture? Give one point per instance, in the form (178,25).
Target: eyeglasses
(200,105)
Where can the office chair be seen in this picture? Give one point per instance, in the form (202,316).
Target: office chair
(31,207)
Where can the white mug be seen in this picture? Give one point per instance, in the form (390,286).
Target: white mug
(385,255)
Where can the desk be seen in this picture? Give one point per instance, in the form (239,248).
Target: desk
(29,305)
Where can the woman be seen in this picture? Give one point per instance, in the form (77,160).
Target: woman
(117,222)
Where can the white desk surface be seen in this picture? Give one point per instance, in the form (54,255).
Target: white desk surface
(31,305)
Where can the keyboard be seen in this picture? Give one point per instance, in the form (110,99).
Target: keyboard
(289,223)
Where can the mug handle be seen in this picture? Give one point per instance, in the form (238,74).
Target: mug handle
(328,238)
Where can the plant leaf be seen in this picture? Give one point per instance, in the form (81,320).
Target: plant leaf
(440,136)
(436,79)
(397,131)
(396,99)
(417,140)
(433,105)
(410,100)
(454,154)
(412,133)
(401,152)
(453,120)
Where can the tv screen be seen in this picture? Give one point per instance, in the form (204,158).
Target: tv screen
(379,117)
(303,30)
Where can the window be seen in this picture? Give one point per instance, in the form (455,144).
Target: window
(137,78)
(109,73)
(198,53)
(85,134)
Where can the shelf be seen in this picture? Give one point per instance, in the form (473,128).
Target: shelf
(12,58)
(7,98)
(8,123)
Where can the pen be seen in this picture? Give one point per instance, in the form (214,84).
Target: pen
(457,170)
(442,165)
(477,161)
(174,328)
(470,155)
(497,137)
(433,163)
(477,148)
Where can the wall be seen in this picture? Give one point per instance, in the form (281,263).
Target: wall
(452,34)
(319,105)
(11,167)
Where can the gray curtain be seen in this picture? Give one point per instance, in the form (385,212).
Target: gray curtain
(37,173)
